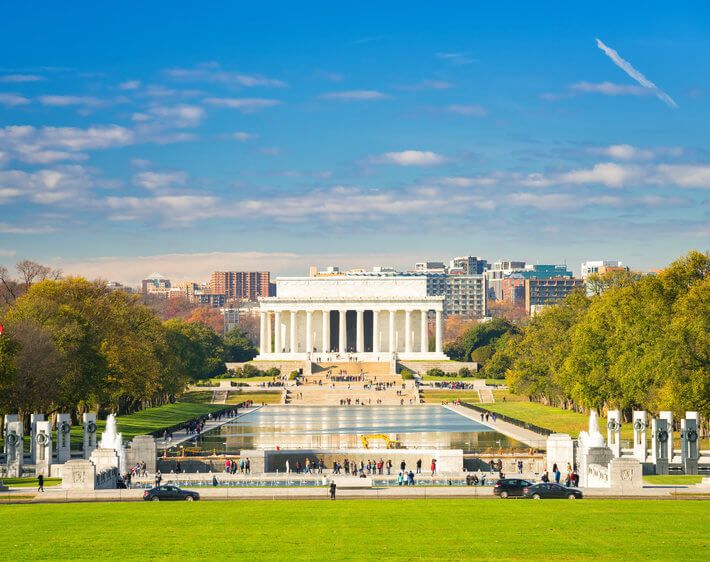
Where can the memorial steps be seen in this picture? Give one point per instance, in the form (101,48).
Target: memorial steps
(331,394)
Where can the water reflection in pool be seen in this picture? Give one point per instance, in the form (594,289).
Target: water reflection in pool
(335,427)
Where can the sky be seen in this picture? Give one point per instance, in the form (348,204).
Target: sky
(183,138)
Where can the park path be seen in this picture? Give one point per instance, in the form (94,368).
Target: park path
(530,438)
(182,436)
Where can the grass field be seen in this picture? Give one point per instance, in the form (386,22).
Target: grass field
(153,419)
(437,396)
(673,479)
(273,397)
(360,530)
(30,482)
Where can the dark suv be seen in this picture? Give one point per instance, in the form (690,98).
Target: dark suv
(509,487)
(169,493)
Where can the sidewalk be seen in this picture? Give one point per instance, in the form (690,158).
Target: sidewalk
(521,434)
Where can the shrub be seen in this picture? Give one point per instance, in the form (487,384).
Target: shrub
(250,370)
(464,372)
(435,372)
(273,372)
(293,376)
(407,375)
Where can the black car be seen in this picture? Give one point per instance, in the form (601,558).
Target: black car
(551,490)
(169,493)
(510,487)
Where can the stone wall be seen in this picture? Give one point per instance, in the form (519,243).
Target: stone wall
(422,367)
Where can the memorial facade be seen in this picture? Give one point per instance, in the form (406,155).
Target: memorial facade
(351,317)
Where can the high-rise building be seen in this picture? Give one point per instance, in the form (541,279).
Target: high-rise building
(513,289)
(464,295)
(470,265)
(430,267)
(600,266)
(542,292)
(499,271)
(240,285)
(156,284)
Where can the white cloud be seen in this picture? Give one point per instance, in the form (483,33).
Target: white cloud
(240,136)
(609,89)
(7,228)
(468,110)
(51,144)
(156,181)
(245,105)
(20,78)
(635,74)
(46,186)
(180,116)
(685,175)
(457,181)
(66,101)
(13,100)
(7,253)
(130,85)
(458,59)
(212,73)
(410,158)
(624,152)
(354,95)
(429,85)
(560,201)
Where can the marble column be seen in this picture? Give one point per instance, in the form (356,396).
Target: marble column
(407,331)
(262,333)
(439,333)
(309,331)
(392,347)
(278,345)
(360,346)
(375,331)
(293,344)
(342,331)
(425,331)
(326,331)
(268,332)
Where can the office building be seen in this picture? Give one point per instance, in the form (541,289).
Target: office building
(241,285)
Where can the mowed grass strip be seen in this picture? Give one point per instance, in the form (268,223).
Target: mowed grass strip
(273,397)
(360,530)
(448,395)
(154,419)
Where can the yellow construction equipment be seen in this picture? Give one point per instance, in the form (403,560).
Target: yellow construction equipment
(389,443)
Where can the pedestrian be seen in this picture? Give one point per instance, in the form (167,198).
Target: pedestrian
(158,478)
(419,466)
(40,483)
(400,479)
(389,466)
(332,490)
(411,478)
(558,475)
(288,467)
(178,467)
(433,467)
(403,466)
(520,467)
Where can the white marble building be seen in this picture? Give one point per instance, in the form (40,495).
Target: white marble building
(341,318)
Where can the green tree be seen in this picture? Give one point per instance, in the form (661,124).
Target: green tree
(238,347)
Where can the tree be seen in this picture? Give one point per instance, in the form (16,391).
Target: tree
(238,347)
(207,316)
(199,350)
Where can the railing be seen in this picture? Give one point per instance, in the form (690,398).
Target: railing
(525,425)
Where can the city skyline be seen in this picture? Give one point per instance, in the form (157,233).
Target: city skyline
(386,135)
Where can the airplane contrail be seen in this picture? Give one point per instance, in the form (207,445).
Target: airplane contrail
(635,74)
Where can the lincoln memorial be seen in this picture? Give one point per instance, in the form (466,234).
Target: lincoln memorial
(350,317)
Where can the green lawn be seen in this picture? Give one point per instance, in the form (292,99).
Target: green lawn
(672,479)
(360,530)
(30,482)
(273,397)
(153,419)
(436,396)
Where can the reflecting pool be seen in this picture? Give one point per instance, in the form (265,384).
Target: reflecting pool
(337,427)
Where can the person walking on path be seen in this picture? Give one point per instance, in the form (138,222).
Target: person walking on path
(433,467)
(40,483)
(332,490)
(419,466)
(158,478)
(410,477)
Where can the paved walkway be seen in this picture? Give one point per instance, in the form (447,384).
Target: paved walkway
(521,434)
(183,436)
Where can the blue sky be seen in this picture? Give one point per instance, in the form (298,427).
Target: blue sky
(159,136)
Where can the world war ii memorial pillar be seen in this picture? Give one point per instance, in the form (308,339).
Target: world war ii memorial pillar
(63,438)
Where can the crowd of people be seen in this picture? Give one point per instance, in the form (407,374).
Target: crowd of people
(234,466)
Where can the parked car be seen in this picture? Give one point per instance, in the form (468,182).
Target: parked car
(169,493)
(551,490)
(510,487)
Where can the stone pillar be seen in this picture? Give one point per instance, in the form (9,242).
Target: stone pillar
(342,331)
(15,449)
(439,333)
(668,416)
(326,331)
(425,331)
(407,331)
(43,447)
(268,332)
(34,418)
(392,348)
(640,427)
(659,449)
(613,432)
(293,345)
(262,333)
(375,331)
(278,344)
(79,475)
(309,331)
(7,419)
(360,330)
(90,433)
(63,438)
(689,442)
